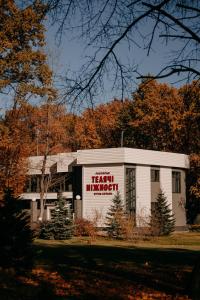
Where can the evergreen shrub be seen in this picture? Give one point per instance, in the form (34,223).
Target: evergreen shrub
(115,218)
(60,227)
(162,221)
(16,236)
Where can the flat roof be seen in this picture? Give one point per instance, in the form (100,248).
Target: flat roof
(122,155)
(132,156)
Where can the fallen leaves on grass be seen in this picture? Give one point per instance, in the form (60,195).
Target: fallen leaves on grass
(81,284)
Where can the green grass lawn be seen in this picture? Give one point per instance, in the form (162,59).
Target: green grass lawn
(105,269)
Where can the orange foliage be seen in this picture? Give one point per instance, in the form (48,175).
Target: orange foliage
(98,127)
(24,73)
(165,118)
(195,175)
(40,123)
(157,116)
(12,154)
(93,284)
(23,64)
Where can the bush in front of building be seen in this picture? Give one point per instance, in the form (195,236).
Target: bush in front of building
(115,218)
(162,221)
(16,236)
(60,227)
(128,226)
(84,227)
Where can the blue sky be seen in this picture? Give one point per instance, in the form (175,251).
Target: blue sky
(70,55)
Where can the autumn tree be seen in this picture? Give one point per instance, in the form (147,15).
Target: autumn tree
(35,120)
(23,68)
(164,118)
(48,134)
(12,164)
(71,141)
(24,74)
(190,94)
(97,127)
(106,120)
(85,134)
(42,133)
(156,117)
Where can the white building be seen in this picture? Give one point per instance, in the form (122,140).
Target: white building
(91,178)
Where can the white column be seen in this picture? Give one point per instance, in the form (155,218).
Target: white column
(33,210)
(166,184)
(143,195)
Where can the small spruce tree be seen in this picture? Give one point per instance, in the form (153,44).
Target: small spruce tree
(162,220)
(115,218)
(16,236)
(60,227)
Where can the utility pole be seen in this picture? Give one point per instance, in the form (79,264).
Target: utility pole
(37,136)
(122,138)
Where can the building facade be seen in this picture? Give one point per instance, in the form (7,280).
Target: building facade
(91,178)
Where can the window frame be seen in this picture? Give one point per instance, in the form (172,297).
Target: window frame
(154,177)
(130,188)
(176,182)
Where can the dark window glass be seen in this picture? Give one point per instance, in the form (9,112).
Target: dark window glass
(27,188)
(59,182)
(32,184)
(155,175)
(130,191)
(176,182)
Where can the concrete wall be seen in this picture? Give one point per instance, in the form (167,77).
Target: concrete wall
(131,156)
(143,195)
(166,184)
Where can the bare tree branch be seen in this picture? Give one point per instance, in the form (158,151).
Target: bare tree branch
(175,36)
(176,21)
(173,70)
(105,26)
(188,7)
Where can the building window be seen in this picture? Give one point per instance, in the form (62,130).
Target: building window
(176,182)
(59,182)
(130,191)
(155,175)
(32,184)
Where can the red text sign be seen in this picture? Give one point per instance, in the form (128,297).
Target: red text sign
(102,182)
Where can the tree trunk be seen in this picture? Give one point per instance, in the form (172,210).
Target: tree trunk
(42,188)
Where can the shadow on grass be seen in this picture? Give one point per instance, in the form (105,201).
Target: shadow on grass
(93,270)
(24,288)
